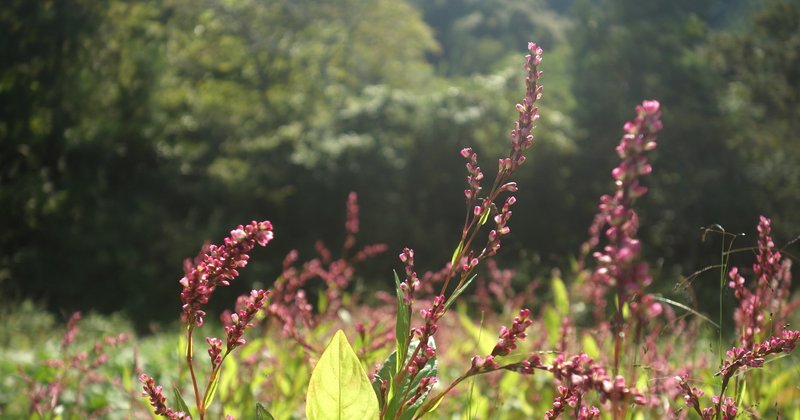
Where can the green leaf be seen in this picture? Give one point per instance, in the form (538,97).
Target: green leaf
(485,216)
(403,324)
(213,390)
(179,402)
(515,356)
(339,387)
(682,306)
(406,388)
(322,303)
(560,296)
(590,346)
(458,292)
(552,323)
(262,413)
(456,253)
(183,344)
(483,342)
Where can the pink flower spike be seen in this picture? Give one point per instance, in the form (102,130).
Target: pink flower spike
(244,317)
(217,265)
(157,399)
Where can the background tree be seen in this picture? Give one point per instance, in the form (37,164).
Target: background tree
(130,132)
(761,97)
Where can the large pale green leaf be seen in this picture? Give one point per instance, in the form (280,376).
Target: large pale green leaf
(339,387)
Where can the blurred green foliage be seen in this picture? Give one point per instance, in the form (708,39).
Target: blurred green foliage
(132,132)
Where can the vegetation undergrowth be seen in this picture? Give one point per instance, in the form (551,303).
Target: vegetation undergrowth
(595,343)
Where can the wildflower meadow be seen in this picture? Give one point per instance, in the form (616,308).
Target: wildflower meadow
(441,339)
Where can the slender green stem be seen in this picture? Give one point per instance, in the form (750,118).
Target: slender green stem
(435,400)
(721,286)
(722,396)
(189,352)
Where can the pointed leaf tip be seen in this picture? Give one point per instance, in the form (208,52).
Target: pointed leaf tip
(339,388)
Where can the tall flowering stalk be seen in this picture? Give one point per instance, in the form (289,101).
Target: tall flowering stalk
(217,265)
(738,358)
(618,265)
(576,375)
(761,324)
(768,301)
(480,209)
(72,374)
(289,306)
(507,342)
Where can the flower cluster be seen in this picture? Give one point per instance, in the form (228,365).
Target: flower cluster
(521,135)
(740,357)
(158,400)
(47,397)
(506,343)
(214,351)
(474,175)
(521,140)
(479,209)
(692,395)
(726,406)
(217,266)
(247,306)
(501,229)
(617,262)
(498,286)
(527,366)
(411,283)
(425,351)
(243,318)
(289,305)
(425,385)
(72,330)
(564,400)
(351,223)
(508,337)
(482,208)
(771,291)
(578,375)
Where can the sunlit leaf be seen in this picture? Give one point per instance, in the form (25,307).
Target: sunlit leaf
(560,296)
(458,292)
(339,387)
(456,253)
(484,217)
(210,394)
(179,402)
(590,346)
(552,323)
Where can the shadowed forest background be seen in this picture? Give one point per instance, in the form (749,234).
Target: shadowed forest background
(132,132)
